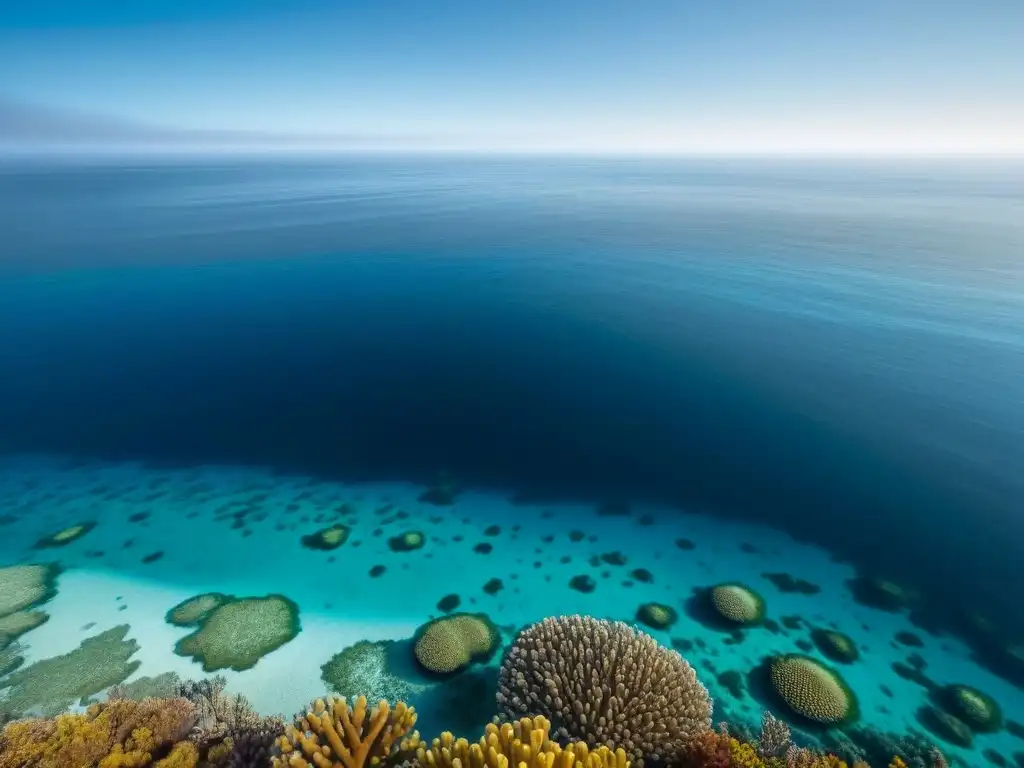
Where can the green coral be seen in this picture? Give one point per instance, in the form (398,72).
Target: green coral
(448,645)
(25,586)
(66,536)
(164,686)
(238,633)
(363,669)
(812,690)
(977,709)
(407,542)
(14,625)
(194,610)
(836,645)
(327,538)
(52,685)
(657,615)
(737,603)
(10,660)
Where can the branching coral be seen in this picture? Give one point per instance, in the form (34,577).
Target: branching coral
(775,736)
(220,715)
(119,734)
(605,683)
(334,735)
(523,744)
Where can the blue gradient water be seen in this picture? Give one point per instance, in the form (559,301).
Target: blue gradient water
(837,349)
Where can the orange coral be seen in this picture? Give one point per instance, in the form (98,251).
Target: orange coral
(118,734)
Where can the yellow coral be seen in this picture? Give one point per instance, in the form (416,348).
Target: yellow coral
(523,744)
(334,735)
(447,645)
(897,763)
(184,755)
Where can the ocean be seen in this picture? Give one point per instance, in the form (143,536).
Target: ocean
(810,367)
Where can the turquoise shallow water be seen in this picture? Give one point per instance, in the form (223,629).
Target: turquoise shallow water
(809,369)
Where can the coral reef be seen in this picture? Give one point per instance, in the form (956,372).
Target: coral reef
(947,727)
(10,660)
(26,586)
(220,715)
(604,683)
(657,615)
(448,645)
(237,634)
(876,592)
(51,685)
(977,709)
(328,538)
(163,686)
(66,536)
(407,542)
(835,645)
(118,734)
(812,690)
(14,625)
(333,734)
(195,610)
(737,603)
(363,670)
(524,744)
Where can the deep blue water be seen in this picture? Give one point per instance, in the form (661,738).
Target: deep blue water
(833,348)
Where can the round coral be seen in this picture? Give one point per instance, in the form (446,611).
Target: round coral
(812,690)
(407,542)
(450,644)
(737,603)
(657,615)
(977,709)
(327,538)
(836,645)
(606,684)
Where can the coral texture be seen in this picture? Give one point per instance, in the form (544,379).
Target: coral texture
(362,670)
(51,685)
(450,644)
(605,684)
(24,586)
(333,734)
(524,744)
(118,734)
(977,709)
(221,715)
(737,603)
(657,615)
(812,690)
(328,538)
(240,632)
(14,625)
(835,645)
(195,610)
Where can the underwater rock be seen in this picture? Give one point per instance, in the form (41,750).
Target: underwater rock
(483,548)
(979,711)
(493,586)
(732,681)
(909,639)
(237,634)
(448,603)
(364,669)
(582,583)
(138,517)
(377,571)
(642,575)
(685,544)
(946,727)
(811,690)
(874,592)
(790,585)
(27,586)
(737,603)
(613,558)
(66,536)
(152,557)
(51,686)
(328,538)
(442,493)
(407,542)
(191,612)
(577,536)
(656,615)
(492,530)
(837,646)
(448,645)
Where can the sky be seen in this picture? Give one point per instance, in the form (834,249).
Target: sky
(651,76)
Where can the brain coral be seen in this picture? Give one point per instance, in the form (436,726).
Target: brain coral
(448,645)
(812,690)
(240,632)
(737,603)
(606,684)
(22,586)
(978,710)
